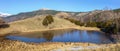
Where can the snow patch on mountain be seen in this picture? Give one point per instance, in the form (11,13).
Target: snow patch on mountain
(45,9)
(4,14)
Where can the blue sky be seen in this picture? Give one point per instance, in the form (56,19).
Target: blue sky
(17,6)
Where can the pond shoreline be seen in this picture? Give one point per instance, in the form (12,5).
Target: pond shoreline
(77,27)
(10,45)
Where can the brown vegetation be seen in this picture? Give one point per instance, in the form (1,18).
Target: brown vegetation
(8,45)
(36,24)
(3,24)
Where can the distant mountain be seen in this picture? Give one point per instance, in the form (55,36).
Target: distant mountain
(96,15)
(4,14)
(42,12)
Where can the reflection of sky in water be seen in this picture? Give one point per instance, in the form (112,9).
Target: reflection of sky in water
(64,36)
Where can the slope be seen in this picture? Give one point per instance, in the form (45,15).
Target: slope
(35,24)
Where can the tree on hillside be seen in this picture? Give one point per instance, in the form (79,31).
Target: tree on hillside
(47,20)
(117,22)
(77,22)
(50,19)
(3,24)
(1,21)
(91,24)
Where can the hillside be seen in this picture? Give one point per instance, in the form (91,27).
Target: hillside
(30,21)
(26,15)
(35,24)
(95,15)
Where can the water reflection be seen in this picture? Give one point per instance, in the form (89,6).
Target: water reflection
(48,35)
(70,35)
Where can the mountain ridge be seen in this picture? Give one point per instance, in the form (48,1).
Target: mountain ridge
(25,15)
(82,16)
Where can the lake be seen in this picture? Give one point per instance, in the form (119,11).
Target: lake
(68,35)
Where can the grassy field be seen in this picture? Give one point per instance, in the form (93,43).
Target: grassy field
(35,24)
(8,45)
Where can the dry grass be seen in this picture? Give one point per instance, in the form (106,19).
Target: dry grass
(35,24)
(87,28)
(8,45)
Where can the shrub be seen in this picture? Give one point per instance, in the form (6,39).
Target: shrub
(45,22)
(48,20)
(91,24)
(75,21)
(107,27)
(4,26)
